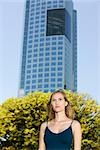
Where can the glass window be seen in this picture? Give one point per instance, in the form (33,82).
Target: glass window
(28,66)
(41,44)
(53,63)
(46,86)
(53,58)
(46,80)
(40,64)
(39,86)
(39,80)
(40,59)
(59,68)
(47,48)
(59,53)
(29,56)
(40,69)
(53,69)
(34,70)
(28,77)
(53,53)
(33,81)
(40,75)
(33,86)
(41,54)
(34,65)
(28,82)
(35,55)
(35,60)
(47,58)
(59,73)
(46,74)
(55,22)
(52,85)
(53,48)
(28,71)
(27,87)
(47,43)
(29,61)
(59,47)
(59,85)
(53,74)
(60,42)
(47,54)
(46,64)
(30,46)
(59,79)
(34,76)
(53,43)
(53,79)
(59,58)
(59,63)
(46,69)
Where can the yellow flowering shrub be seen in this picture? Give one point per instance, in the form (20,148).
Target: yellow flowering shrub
(20,120)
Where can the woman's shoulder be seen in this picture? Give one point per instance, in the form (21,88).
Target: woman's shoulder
(76,124)
(43,126)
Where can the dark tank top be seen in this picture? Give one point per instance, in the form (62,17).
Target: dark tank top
(58,141)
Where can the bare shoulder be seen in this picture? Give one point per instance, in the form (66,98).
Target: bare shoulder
(76,124)
(43,126)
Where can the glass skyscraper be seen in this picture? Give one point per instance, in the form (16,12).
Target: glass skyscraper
(49,55)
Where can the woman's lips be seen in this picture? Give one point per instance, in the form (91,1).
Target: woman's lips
(57,106)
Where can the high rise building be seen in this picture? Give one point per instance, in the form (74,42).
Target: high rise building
(49,55)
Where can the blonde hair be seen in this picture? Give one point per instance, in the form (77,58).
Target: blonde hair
(68,109)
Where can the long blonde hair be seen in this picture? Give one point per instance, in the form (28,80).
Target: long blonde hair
(68,109)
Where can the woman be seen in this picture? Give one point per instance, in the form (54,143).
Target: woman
(58,132)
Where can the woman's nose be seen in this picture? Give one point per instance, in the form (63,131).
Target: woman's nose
(57,101)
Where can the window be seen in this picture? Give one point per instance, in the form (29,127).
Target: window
(53,79)
(33,86)
(46,64)
(34,76)
(47,58)
(46,80)
(27,87)
(46,69)
(33,81)
(40,75)
(53,64)
(34,65)
(53,69)
(55,22)
(40,69)
(59,63)
(46,86)
(59,73)
(53,85)
(40,86)
(34,70)
(40,64)
(59,85)
(53,74)
(46,74)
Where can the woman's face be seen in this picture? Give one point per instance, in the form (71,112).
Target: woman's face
(58,102)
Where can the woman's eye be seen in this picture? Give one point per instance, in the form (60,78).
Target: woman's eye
(60,99)
(53,100)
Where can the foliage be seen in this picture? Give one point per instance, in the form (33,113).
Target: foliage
(20,120)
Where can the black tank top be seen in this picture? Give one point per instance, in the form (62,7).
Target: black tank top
(58,141)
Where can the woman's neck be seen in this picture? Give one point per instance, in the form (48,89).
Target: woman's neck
(60,116)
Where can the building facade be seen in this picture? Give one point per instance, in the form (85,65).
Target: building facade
(49,55)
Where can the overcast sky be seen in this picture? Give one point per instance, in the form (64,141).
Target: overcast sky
(11,36)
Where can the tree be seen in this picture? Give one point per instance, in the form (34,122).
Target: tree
(20,120)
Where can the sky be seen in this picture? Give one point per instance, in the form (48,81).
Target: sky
(88,37)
